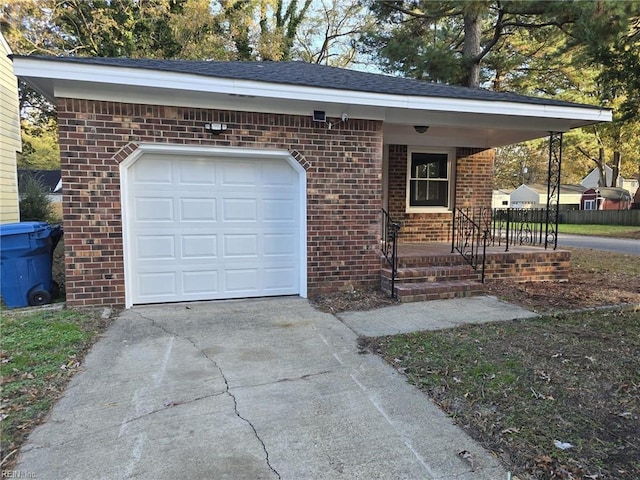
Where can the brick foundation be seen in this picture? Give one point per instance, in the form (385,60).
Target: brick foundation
(344,185)
(529,267)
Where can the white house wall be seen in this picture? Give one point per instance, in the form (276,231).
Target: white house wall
(10,142)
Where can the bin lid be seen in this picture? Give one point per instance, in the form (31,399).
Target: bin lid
(22,228)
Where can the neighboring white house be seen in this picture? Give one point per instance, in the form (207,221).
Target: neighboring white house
(501,199)
(535,196)
(592,179)
(525,197)
(10,142)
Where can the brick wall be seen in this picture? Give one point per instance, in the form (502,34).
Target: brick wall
(474,186)
(344,185)
(474,177)
(545,265)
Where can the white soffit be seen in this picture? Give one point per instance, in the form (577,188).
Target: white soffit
(111,83)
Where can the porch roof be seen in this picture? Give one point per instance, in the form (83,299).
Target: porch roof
(457,116)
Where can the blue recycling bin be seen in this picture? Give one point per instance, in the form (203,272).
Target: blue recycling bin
(26,256)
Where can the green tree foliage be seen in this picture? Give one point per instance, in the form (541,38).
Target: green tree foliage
(581,51)
(35,205)
(524,163)
(40,149)
(117,28)
(455,41)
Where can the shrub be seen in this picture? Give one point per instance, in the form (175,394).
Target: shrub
(35,205)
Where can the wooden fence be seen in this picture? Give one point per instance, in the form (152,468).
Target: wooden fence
(601,217)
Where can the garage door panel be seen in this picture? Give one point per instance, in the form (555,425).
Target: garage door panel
(279,210)
(240,173)
(201,247)
(207,228)
(157,284)
(154,209)
(241,280)
(239,210)
(277,279)
(197,172)
(153,170)
(201,283)
(198,209)
(240,246)
(156,247)
(279,244)
(278,175)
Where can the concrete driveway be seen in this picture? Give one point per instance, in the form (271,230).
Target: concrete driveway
(253,389)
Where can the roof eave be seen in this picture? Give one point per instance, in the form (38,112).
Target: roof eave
(45,74)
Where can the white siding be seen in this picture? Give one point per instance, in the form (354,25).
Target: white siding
(525,197)
(9,137)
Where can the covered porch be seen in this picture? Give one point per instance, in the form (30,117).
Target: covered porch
(430,271)
(440,237)
(484,245)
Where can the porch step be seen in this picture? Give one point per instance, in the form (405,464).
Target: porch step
(424,291)
(419,274)
(443,260)
(432,276)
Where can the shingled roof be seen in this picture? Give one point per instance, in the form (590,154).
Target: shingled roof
(313,75)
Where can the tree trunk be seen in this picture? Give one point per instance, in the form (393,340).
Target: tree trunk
(602,182)
(471,48)
(616,169)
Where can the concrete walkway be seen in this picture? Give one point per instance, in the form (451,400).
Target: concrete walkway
(434,315)
(254,389)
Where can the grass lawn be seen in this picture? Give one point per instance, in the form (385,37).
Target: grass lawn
(619,231)
(39,353)
(521,386)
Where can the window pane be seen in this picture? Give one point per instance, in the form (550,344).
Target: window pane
(429,184)
(429,193)
(429,165)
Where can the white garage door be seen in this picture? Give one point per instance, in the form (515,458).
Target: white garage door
(205,228)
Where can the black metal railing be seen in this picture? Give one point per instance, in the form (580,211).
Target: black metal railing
(519,226)
(469,238)
(389,246)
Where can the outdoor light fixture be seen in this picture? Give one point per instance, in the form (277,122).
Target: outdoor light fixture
(420,128)
(319,116)
(215,128)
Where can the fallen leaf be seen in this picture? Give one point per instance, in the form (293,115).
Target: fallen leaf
(469,457)
(510,430)
(562,445)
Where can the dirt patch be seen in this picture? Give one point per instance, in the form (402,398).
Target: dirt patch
(352,300)
(597,279)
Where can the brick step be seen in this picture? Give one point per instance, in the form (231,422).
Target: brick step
(427,261)
(424,291)
(431,274)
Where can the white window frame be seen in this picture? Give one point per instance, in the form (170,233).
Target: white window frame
(590,204)
(451,163)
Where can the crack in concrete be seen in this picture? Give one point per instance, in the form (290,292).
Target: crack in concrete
(226,382)
(237,412)
(93,433)
(171,405)
(286,379)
